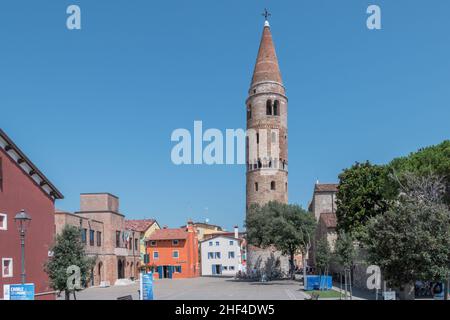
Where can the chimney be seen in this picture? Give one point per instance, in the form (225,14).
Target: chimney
(190,226)
(165,227)
(236,232)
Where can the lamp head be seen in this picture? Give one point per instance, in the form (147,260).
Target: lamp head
(22,220)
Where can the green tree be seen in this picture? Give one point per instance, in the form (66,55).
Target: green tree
(289,228)
(431,160)
(68,251)
(365,191)
(412,240)
(345,254)
(345,251)
(323,256)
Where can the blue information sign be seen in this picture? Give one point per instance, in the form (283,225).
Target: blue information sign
(21,291)
(147,286)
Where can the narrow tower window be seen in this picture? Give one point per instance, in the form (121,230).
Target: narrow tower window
(256,186)
(269,107)
(249,112)
(272,185)
(276,108)
(257,138)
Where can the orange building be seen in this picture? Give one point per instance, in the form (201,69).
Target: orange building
(173,253)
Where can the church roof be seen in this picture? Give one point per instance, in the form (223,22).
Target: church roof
(266,68)
(326,187)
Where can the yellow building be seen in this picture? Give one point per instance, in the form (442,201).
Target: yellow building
(146,227)
(204,230)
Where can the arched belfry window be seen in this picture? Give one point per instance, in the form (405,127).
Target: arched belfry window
(272,185)
(269,107)
(276,108)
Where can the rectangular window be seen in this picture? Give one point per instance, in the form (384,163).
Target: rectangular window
(217,243)
(175,242)
(99,239)
(91,237)
(155,255)
(3,221)
(210,243)
(7,267)
(231,242)
(83,235)
(210,255)
(175,254)
(136,244)
(178,269)
(130,243)
(231,255)
(146,258)
(231,268)
(218,255)
(117,239)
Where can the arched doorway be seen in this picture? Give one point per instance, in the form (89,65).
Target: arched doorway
(131,270)
(138,271)
(92,277)
(120,269)
(99,273)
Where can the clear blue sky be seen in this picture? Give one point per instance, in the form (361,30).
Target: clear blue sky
(94,109)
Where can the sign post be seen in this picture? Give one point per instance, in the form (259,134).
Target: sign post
(389,295)
(146,286)
(21,291)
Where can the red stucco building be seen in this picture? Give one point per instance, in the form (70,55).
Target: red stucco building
(173,253)
(23,186)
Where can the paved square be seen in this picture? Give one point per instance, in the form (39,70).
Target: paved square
(203,288)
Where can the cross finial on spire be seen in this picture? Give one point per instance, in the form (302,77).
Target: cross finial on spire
(266,14)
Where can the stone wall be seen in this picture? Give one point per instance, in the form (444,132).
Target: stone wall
(266,261)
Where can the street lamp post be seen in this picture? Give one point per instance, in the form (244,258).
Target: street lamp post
(22,220)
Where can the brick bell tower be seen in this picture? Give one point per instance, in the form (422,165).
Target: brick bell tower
(267,168)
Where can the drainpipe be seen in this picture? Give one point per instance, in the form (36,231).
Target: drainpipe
(134,258)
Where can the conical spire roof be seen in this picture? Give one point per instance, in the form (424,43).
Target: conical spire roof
(266,68)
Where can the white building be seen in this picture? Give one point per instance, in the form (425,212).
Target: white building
(221,255)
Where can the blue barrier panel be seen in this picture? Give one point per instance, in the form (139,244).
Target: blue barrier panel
(318,283)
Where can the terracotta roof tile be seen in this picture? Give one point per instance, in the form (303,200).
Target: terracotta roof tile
(326,187)
(139,225)
(266,68)
(169,234)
